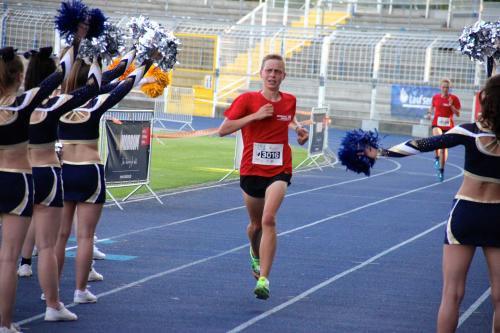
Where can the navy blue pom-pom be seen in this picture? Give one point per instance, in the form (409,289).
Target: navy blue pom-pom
(96,23)
(353,143)
(70,15)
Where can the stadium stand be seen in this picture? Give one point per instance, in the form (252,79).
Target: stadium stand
(223,42)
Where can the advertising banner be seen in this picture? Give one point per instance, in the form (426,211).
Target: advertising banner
(129,146)
(411,102)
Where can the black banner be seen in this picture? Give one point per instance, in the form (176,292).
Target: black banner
(129,146)
(317,135)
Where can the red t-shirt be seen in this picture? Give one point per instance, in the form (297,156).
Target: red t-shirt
(266,151)
(443,116)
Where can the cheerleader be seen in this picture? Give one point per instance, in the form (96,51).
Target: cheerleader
(83,176)
(82,169)
(83,73)
(16,195)
(474,218)
(48,196)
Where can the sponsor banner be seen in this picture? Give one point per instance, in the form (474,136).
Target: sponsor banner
(318,129)
(411,101)
(129,146)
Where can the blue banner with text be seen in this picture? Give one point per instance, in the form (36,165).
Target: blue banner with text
(411,102)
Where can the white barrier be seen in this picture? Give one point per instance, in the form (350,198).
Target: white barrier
(175,106)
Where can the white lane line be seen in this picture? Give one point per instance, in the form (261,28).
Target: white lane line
(110,292)
(147,278)
(325,283)
(474,307)
(398,166)
(373,203)
(310,291)
(194,189)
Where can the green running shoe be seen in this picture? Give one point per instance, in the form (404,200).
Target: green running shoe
(255,264)
(436,164)
(261,290)
(440,175)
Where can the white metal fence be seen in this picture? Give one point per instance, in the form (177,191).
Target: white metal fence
(175,107)
(27,29)
(286,10)
(350,70)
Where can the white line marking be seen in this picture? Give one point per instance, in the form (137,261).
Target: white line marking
(398,166)
(193,189)
(474,307)
(325,283)
(172,270)
(148,278)
(173,193)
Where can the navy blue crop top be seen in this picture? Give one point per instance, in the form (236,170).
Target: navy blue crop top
(45,131)
(479,163)
(16,131)
(88,129)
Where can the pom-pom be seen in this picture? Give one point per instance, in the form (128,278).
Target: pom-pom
(152,90)
(351,151)
(156,88)
(113,37)
(151,39)
(70,15)
(96,23)
(481,40)
(109,44)
(129,70)
(160,76)
(137,26)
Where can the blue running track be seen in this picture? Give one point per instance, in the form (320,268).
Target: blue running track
(355,254)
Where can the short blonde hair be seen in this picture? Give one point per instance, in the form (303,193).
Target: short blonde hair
(271,57)
(445,80)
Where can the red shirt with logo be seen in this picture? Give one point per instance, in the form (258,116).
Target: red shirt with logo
(266,151)
(443,115)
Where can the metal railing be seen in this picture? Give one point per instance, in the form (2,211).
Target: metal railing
(321,64)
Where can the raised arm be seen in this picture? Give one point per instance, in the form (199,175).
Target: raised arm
(102,103)
(33,97)
(117,71)
(67,102)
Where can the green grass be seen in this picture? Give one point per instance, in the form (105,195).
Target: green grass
(184,162)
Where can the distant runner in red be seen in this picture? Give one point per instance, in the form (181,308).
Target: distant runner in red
(266,165)
(444,106)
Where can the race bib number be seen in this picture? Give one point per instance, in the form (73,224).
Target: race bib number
(443,121)
(267,154)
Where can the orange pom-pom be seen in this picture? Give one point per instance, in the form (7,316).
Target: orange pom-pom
(160,76)
(162,80)
(129,70)
(152,90)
